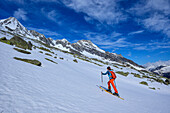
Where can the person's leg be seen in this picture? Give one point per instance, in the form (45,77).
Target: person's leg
(114,87)
(109,87)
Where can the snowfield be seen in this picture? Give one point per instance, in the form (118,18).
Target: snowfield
(69,87)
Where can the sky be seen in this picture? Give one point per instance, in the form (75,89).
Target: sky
(137,29)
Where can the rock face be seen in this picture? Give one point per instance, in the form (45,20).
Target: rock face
(14,26)
(82,47)
(41,37)
(19,42)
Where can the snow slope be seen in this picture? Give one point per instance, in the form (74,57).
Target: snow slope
(161,67)
(69,87)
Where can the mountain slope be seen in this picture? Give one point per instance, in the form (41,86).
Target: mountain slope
(82,47)
(161,67)
(69,87)
(67,78)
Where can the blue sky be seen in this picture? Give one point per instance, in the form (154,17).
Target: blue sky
(137,29)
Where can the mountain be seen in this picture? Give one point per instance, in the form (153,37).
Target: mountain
(62,78)
(13,26)
(161,68)
(82,47)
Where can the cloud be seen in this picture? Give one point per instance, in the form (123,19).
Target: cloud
(17,1)
(153,15)
(110,42)
(153,46)
(53,15)
(163,52)
(105,11)
(130,54)
(46,32)
(89,19)
(45,0)
(148,56)
(158,23)
(20,14)
(107,41)
(136,32)
(143,47)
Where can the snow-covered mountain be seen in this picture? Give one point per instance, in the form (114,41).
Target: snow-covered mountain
(82,47)
(65,79)
(161,67)
(65,83)
(13,26)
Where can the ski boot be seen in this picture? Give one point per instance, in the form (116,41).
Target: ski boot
(116,94)
(109,90)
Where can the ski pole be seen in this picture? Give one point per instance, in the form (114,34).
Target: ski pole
(102,79)
(115,84)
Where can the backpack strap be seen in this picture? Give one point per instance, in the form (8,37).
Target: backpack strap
(113,75)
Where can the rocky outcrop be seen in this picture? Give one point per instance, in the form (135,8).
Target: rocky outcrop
(19,42)
(89,47)
(41,37)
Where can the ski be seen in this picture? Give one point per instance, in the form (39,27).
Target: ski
(105,89)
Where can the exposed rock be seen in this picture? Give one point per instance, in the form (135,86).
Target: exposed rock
(19,42)
(35,62)
(30,45)
(167,81)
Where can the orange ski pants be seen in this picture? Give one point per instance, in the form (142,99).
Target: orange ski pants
(109,87)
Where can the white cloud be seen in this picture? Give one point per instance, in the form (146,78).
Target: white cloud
(158,63)
(53,15)
(20,14)
(158,23)
(17,1)
(105,11)
(153,15)
(153,46)
(89,19)
(136,32)
(44,0)
(45,31)
(130,54)
(108,41)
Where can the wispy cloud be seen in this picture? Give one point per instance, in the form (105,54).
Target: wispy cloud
(110,42)
(163,52)
(45,0)
(46,32)
(20,14)
(105,11)
(129,54)
(153,46)
(158,23)
(53,15)
(107,41)
(17,1)
(136,32)
(153,15)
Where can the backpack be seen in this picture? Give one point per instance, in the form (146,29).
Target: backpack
(113,75)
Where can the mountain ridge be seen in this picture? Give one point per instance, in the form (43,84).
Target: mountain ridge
(160,67)
(81,47)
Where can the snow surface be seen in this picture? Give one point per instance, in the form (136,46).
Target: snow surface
(69,87)
(165,69)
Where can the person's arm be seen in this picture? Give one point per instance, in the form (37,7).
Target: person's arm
(105,73)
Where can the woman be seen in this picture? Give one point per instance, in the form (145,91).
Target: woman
(112,77)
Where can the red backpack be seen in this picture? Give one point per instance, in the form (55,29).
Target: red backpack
(113,75)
